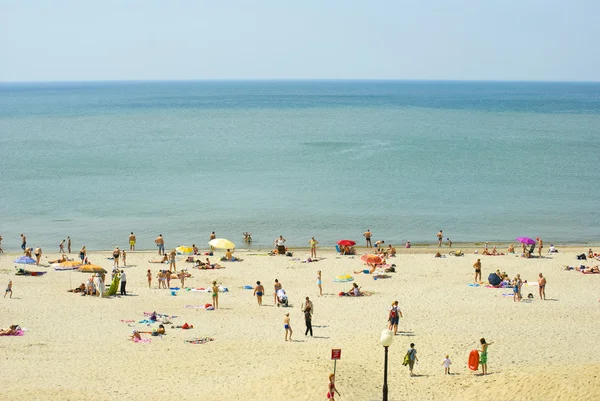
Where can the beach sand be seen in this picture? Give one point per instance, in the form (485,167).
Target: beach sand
(77,348)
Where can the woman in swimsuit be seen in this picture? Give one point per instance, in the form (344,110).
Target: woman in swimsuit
(331,390)
(215,295)
(38,255)
(116,253)
(483,356)
(319,283)
(172,261)
(276,287)
(313,248)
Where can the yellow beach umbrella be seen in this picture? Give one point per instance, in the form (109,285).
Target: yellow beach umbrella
(184,250)
(343,278)
(221,243)
(91,269)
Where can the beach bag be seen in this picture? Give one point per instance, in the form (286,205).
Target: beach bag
(406,359)
(581,257)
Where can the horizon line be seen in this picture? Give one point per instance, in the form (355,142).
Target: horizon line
(275,80)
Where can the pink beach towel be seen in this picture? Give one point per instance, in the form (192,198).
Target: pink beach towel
(142,340)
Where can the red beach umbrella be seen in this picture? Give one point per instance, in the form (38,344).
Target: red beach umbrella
(346,242)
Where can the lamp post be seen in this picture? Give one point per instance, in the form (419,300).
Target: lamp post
(386,339)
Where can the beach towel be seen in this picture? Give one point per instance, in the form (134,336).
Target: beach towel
(18,333)
(142,340)
(199,340)
(112,290)
(194,306)
(127,320)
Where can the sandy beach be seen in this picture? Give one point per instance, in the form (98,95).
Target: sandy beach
(77,347)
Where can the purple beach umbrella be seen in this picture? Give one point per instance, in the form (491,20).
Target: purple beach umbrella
(25,260)
(526,240)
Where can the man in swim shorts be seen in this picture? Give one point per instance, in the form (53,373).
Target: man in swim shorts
(132,242)
(542,286)
(440,236)
(8,289)
(160,243)
(259,290)
(367,234)
(477,267)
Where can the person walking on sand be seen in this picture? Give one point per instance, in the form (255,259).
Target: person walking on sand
(308,322)
(484,356)
(477,267)
(412,358)
(69,244)
(8,289)
(331,390)
(288,327)
(542,286)
(123,283)
(172,260)
(116,254)
(276,287)
(367,234)
(149,276)
(23,242)
(259,290)
(440,237)
(160,243)
(61,246)
(132,241)
(82,253)
(38,255)
(313,248)
(394,317)
(540,245)
(446,364)
(320,283)
(215,295)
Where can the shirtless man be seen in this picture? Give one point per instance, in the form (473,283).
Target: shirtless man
(61,246)
(540,246)
(440,237)
(259,290)
(287,326)
(160,243)
(542,286)
(477,267)
(367,234)
(132,242)
(8,289)
(276,287)
(69,244)
(23,242)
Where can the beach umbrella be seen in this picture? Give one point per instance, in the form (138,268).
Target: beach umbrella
(221,243)
(25,260)
(372,259)
(91,269)
(526,240)
(68,265)
(346,242)
(184,250)
(343,278)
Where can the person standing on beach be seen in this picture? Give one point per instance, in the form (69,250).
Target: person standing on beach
(440,236)
(160,243)
(149,276)
(307,306)
(124,257)
(308,322)
(394,317)
(449,242)
(116,254)
(477,267)
(288,327)
(132,241)
(1,250)
(212,237)
(280,244)
(331,390)
(38,255)
(540,245)
(313,248)
(412,358)
(484,355)
(69,244)
(82,253)
(23,242)
(320,283)
(215,295)
(123,283)
(259,290)
(172,260)
(276,287)
(100,286)
(8,289)
(542,287)
(61,246)
(367,234)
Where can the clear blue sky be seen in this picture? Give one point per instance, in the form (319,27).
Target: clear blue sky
(64,40)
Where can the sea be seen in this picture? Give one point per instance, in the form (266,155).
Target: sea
(482,161)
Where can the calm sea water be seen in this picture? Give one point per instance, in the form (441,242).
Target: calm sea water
(482,161)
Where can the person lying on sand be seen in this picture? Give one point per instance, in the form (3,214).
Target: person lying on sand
(11,331)
(160,331)
(81,288)
(62,259)
(209,265)
(354,291)
(163,260)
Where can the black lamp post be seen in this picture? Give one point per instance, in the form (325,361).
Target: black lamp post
(386,339)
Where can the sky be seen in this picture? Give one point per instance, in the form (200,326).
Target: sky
(75,40)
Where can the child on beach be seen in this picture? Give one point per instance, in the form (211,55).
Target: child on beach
(319,283)
(124,256)
(259,290)
(331,390)
(8,289)
(288,327)
(149,276)
(483,356)
(446,364)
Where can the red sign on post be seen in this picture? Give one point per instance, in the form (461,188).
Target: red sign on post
(336,354)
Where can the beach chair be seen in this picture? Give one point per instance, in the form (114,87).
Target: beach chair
(337,248)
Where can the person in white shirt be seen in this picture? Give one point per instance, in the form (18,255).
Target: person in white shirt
(446,364)
(552,249)
(123,283)
(280,244)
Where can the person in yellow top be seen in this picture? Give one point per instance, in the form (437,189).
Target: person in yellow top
(313,247)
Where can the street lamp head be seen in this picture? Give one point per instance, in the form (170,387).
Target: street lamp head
(387,337)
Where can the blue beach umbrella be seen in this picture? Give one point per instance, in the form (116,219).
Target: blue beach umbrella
(25,260)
